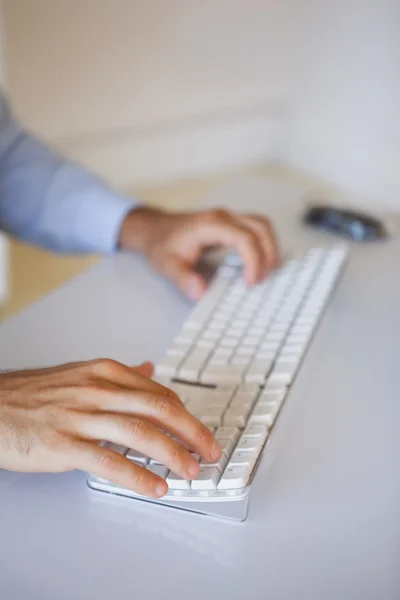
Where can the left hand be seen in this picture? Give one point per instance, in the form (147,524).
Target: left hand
(174,243)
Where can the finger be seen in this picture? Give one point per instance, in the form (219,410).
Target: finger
(164,413)
(231,232)
(112,466)
(183,275)
(137,433)
(263,229)
(146,369)
(106,371)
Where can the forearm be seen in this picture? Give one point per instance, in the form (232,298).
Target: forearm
(52,202)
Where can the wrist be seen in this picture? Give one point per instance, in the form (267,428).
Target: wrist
(137,229)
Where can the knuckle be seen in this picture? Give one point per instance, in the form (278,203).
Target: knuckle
(177,454)
(202,433)
(248,237)
(135,428)
(162,406)
(104,367)
(108,462)
(216,215)
(171,395)
(139,477)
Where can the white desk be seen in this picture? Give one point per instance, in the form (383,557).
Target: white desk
(324,515)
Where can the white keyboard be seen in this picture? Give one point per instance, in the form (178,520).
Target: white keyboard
(233,362)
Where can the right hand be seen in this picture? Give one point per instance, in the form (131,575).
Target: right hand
(53,420)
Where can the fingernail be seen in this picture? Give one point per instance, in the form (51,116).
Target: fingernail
(161,489)
(194,288)
(215,451)
(193,470)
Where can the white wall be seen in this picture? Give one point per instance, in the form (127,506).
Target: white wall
(345,118)
(162,86)
(151,89)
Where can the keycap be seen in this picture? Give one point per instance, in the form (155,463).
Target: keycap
(229,373)
(252,443)
(217,324)
(256,431)
(270,396)
(258,370)
(222,398)
(137,457)
(193,364)
(115,447)
(211,416)
(246,351)
(227,432)
(241,360)
(229,342)
(226,444)
(242,399)
(158,469)
(264,413)
(175,482)
(234,478)
(168,366)
(236,416)
(223,352)
(243,458)
(235,332)
(219,464)
(207,479)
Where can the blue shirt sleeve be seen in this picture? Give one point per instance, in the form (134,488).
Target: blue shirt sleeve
(52,202)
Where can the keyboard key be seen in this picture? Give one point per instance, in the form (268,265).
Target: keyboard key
(242,399)
(228,374)
(207,479)
(193,364)
(264,414)
(258,371)
(158,469)
(221,351)
(222,398)
(227,445)
(245,351)
(243,459)
(241,360)
(169,366)
(252,443)
(234,478)
(235,332)
(217,324)
(211,416)
(116,448)
(220,464)
(137,457)
(205,344)
(229,342)
(211,334)
(177,483)
(236,416)
(227,432)
(256,431)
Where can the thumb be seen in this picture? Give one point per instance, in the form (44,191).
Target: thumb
(146,369)
(184,277)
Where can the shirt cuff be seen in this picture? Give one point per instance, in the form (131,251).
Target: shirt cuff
(100,218)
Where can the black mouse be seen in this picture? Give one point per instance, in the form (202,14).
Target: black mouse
(351,224)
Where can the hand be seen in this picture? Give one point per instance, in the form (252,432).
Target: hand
(173,243)
(53,420)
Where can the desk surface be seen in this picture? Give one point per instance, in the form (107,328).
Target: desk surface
(324,513)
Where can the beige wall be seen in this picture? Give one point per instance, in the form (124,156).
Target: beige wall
(345,119)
